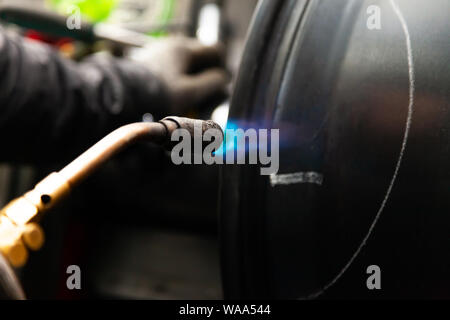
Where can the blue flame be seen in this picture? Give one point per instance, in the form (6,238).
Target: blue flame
(232,145)
(227,146)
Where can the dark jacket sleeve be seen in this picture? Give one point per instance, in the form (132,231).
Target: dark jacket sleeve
(52,108)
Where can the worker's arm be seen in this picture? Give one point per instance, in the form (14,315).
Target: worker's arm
(48,103)
(52,107)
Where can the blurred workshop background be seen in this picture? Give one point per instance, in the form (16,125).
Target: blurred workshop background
(141,228)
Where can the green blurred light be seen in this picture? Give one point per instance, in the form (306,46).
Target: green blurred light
(92,10)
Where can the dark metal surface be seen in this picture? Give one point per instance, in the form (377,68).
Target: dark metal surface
(367,110)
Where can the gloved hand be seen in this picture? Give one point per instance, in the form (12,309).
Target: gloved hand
(193,73)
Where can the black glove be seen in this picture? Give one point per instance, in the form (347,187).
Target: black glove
(193,73)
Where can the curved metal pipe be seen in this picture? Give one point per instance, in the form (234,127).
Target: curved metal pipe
(17,219)
(109,146)
(17,228)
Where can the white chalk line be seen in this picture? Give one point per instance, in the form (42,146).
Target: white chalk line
(402,151)
(296,178)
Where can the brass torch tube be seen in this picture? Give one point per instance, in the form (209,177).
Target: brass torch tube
(105,149)
(18,227)
(54,188)
(18,219)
